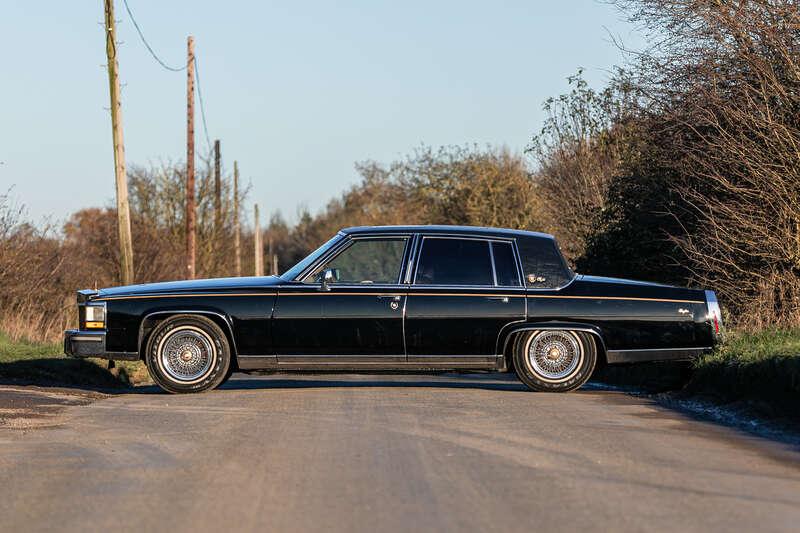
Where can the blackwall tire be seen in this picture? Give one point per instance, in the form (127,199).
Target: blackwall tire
(554,360)
(188,353)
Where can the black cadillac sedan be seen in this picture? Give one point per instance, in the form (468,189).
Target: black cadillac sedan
(411,298)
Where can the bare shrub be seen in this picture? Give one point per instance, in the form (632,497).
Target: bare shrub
(585,140)
(40,269)
(31,268)
(725,77)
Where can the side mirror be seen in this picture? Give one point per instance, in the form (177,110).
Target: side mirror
(329,275)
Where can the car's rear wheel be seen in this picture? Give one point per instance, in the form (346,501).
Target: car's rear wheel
(188,353)
(554,360)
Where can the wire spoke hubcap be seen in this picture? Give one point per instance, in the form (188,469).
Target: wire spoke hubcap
(187,354)
(554,354)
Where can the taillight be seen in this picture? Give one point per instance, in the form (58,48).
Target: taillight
(714,314)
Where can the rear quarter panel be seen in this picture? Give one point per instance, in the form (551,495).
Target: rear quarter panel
(629,315)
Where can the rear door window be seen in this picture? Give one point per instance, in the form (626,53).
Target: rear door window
(505,264)
(449,261)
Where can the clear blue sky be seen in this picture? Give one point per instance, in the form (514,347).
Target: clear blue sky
(296,91)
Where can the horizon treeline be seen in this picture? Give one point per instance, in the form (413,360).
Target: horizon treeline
(684,168)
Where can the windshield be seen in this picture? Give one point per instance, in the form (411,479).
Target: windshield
(295,271)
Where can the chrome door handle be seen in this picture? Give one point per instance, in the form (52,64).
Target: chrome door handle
(503,299)
(393,297)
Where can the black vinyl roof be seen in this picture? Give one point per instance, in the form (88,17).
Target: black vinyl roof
(453,230)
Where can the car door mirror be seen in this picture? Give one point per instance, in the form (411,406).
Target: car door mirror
(329,275)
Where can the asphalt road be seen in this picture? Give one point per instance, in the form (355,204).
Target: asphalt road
(390,453)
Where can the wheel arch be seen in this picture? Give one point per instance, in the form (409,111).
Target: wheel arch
(505,341)
(150,320)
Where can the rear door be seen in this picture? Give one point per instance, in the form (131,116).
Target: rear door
(464,291)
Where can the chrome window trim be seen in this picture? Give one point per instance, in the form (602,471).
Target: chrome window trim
(412,259)
(346,243)
(491,259)
(378,287)
(488,240)
(489,288)
(473,236)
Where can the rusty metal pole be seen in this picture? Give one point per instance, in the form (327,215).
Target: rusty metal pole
(191,244)
(258,252)
(237,237)
(217,191)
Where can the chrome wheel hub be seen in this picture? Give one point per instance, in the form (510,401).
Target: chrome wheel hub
(187,354)
(554,354)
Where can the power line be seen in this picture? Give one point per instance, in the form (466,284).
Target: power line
(146,44)
(202,104)
(173,69)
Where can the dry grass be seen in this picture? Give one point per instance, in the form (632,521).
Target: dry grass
(27,322)
(43,363)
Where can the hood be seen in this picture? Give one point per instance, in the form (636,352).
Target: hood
(191,285)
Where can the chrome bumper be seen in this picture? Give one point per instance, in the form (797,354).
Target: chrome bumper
(79,343)
(84,343)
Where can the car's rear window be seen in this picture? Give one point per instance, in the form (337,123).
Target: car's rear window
(543,266)
(445,261)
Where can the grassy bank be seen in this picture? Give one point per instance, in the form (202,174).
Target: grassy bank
(35,363)
(762,369)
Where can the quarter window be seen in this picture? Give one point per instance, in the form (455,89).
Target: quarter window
(454,262)
(542,263)
(367,261)
(505,264)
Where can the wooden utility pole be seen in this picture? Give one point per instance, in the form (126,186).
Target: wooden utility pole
(237,238)
(123,209)
(191,244)
(217,191)
(258,253)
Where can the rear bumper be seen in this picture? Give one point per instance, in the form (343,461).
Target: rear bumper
(659,354)
(81,344)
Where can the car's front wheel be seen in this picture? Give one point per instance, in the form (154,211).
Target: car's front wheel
(554,360)
(188,353)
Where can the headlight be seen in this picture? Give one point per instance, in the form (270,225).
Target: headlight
(95,316)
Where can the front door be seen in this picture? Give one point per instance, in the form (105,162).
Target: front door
(358,320)
(464,292)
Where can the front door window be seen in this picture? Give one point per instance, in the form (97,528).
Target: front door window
(367,261)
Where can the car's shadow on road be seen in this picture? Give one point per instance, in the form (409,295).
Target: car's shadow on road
(493,382)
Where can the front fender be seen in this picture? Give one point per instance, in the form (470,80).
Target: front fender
(222,320)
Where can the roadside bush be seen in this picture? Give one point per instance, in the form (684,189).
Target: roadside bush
(41,268)
(764,366)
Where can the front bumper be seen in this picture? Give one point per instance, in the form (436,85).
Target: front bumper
(78,343)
